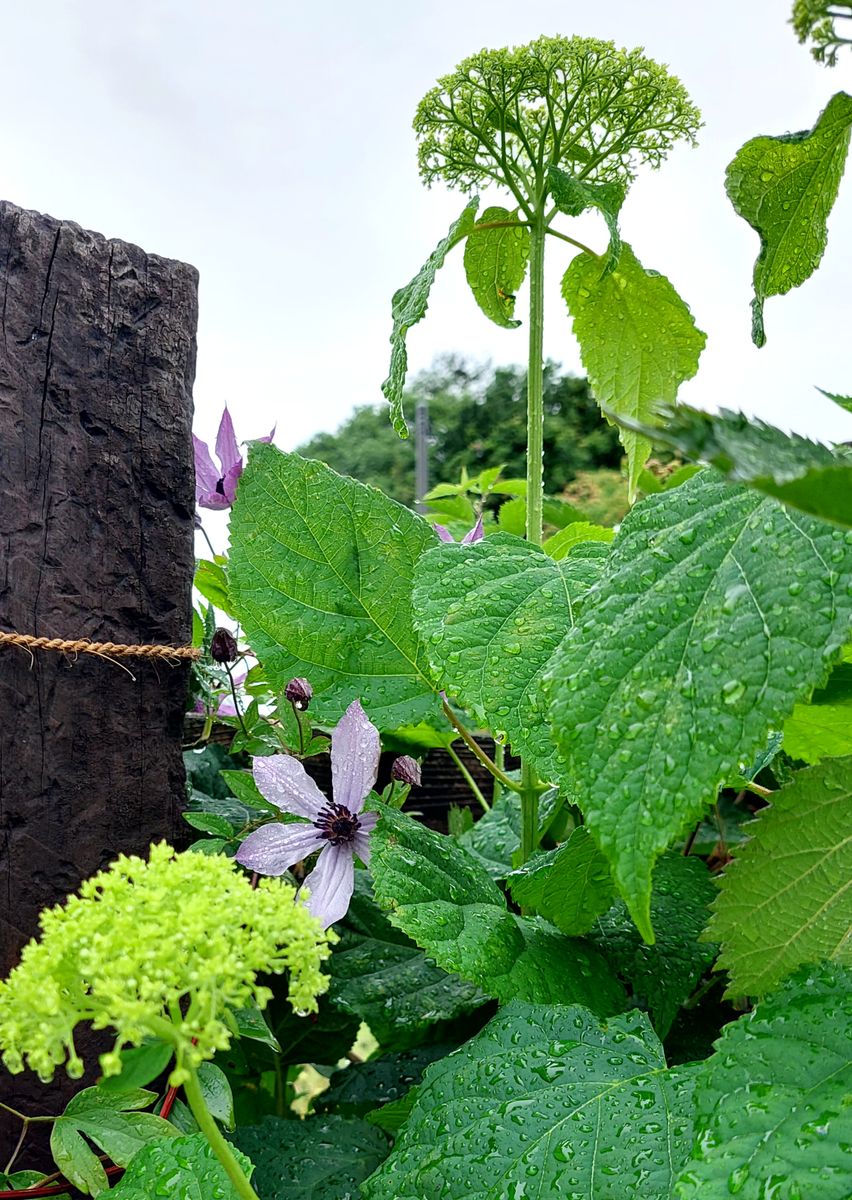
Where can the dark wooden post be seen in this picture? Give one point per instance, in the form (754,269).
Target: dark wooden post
(97,359)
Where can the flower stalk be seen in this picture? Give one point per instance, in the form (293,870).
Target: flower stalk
(208,1126)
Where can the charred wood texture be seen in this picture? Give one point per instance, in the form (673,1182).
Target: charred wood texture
(97,359)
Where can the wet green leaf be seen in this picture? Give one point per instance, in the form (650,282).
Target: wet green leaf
(495,262)
(186,1166)
(718,610)
(785,188)
(360,1088)
(545,1101)
(822,728)
(573,196)
(570,886)
(773,1115)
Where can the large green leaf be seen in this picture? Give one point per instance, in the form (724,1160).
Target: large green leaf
(544,1102)
(490,616)
(719,609)
(638,341)
(356,1090)
(661,977)
(573,196)
(409,306)
(321,573)
(822,728)
(773,1112)
(804,474)
(112,1121)
(186,1167)
(496,836)
(787,897)
(446,902)
(570,886)
(785,188)
(495,262)
(322,1158)
(380,976)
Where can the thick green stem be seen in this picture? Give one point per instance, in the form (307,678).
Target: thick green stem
(207,1125)
(530,786)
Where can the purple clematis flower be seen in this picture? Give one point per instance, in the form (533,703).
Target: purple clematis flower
(215,487)
(340,826)
(473,535)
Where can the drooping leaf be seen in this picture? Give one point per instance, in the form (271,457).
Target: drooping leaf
(140,1065)
(383,978)
(785,188)
(362,1087)
(785,899)
(822,728)
(251,1023)
(437,894)
(321,573)
(409,306)
(322,1158)
(570,886)
(803,474)
(490,616)
(562,543)
(660,978)
(217,1094)
(718,610)
(495,262)
(638,341)
(573,196)
(187,1166)
(211,579)
(545,1101)
(112,1121)
(773,1114)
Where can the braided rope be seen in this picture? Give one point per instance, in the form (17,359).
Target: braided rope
(103,649)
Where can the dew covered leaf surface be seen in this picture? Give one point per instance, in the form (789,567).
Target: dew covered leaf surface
(718,610)
(360,1088)
(785,188)
(638,341)
(321,572)
(494,838)
(661,977)
(379,975)
(574,196)
(545,1101)
(446,902)
(786,899)
(490,616)
(409,306)
(182,1168)
(495,262)
(321,1158)
(773,1114)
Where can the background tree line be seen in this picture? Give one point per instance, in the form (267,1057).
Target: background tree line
(477,419)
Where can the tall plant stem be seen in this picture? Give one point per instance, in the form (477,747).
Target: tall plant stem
(208,1126)
(530,786)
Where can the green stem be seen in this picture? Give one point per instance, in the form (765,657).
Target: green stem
(208,1126)
(472,744)
(530,786)
(500,763)
(469,780)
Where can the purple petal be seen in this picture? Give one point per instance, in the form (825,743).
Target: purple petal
(211,500)
(443,533)
(355,750)
(226,708)
(361,846)
(206,472)
(269,436)
(474,535)
(286,784)
(273,848)
(331,883)
(226,443)
(230,481)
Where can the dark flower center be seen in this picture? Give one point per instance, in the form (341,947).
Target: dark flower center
(337,824)
(220,487)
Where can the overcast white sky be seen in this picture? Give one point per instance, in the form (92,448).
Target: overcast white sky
(269,143)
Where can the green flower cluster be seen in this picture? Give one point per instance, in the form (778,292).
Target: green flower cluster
(506,116)
(817,21)
(164,949)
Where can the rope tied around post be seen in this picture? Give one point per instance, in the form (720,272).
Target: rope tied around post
(110,650)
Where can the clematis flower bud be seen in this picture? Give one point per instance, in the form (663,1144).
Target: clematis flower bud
(223,647)
(406,770)
(299,692)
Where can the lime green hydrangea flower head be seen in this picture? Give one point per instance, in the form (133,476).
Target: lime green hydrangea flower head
(506,116)
(163,948)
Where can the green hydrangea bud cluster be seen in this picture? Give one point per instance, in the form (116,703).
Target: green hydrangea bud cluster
(506,116)
(818,21)
(162,948)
